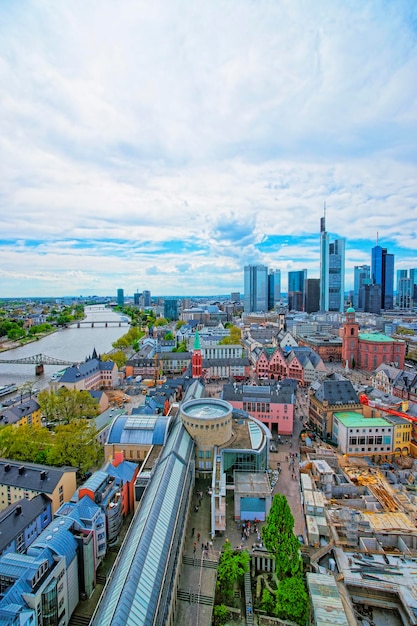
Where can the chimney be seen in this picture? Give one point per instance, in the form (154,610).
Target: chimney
(43,475)
(7,467)
(18,510)
(21,469)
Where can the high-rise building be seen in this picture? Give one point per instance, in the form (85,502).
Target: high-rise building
(235,296)
(171,309)
(256,288)
(146,298)
(413,287)
(332,271)
(296,290)
(362,273)
(274,288)
(312,295)
(136,298)
(383,274)
(120,297)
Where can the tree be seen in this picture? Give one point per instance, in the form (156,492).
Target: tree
(169,336)
(234,337)
(118,357)
(179,324)
(25,443)
(292,601)
(267,601)
(280,540)
(232,566)
(221,614)
(76,444)
(67,404)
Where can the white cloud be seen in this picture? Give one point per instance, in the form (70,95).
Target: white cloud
(173,139)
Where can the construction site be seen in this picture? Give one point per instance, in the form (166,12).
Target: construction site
(360,526)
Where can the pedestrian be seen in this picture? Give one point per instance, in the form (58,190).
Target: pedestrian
(198,536)
(192,532)
(202,547)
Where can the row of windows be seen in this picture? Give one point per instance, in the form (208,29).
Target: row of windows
(207,426)
(369,441)
(201,454)
(387,449)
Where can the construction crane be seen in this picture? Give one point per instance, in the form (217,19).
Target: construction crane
(367,402)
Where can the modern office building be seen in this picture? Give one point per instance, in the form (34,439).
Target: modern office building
(136,298)
(361,276)
(312,295)
(274,288)
(256,288)
(120,297)
(332,271)
(171,308)
(383,274)
(146,298)
(235,296)
(413,286)
(296,290)
(403,289)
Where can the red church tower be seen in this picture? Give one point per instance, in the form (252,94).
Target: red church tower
(350,345)
(196,358)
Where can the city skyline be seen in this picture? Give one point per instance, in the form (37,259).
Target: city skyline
(165,147)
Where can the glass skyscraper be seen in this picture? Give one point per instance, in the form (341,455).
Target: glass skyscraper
(383,274)
(332,271)
(256,288)
(274,288)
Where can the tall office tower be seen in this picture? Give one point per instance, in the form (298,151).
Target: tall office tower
(332,271)
(120,297)
(235,296)
(383,274)
(372,298)
(146,298)
(274,288)
(312,295)
(136,298)
(413,287)
(171,309)
(362,273)
(403,290)
(256,288)
(296,290)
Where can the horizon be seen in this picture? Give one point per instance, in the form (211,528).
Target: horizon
(165,146)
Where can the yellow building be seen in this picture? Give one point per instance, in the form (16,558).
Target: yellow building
(27,412)
(27,480)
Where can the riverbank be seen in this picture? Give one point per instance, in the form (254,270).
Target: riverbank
(11,345)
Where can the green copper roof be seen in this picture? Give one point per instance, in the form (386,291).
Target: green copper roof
(350,310)
(376,337)
(356,420)
(197,345)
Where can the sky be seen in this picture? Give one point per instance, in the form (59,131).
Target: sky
(165,145)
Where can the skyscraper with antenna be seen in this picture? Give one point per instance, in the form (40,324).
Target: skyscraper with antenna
(332,270)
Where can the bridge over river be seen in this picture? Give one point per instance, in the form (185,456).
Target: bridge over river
(38,360)
(97,323)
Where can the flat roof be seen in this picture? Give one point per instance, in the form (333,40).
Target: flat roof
(350,419)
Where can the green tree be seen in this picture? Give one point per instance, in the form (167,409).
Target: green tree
(67,404)
(292,601)
(280,540)
(161,321)
(25,443)
(267,601)
(221,614)
(179,324)
(76,444)
(235,336)
(169,336)
(232,566)
(118,357)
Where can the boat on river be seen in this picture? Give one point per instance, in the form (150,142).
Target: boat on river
(5,389)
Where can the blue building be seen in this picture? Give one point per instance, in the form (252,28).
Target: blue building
(256,288)
(332,271)
(274,288)
(383,274)
(171,308)
(296,290)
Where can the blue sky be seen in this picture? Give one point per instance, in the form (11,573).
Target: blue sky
(164,145)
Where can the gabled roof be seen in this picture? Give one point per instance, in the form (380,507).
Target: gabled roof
(337,392)
(17,516)
(30,476)
(78,372)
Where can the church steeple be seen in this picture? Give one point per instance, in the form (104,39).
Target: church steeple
(197,358)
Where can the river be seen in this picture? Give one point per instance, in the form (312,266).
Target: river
(69,344)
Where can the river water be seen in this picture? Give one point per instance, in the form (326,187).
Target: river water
(69,344)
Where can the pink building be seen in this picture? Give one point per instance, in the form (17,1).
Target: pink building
(273,404)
